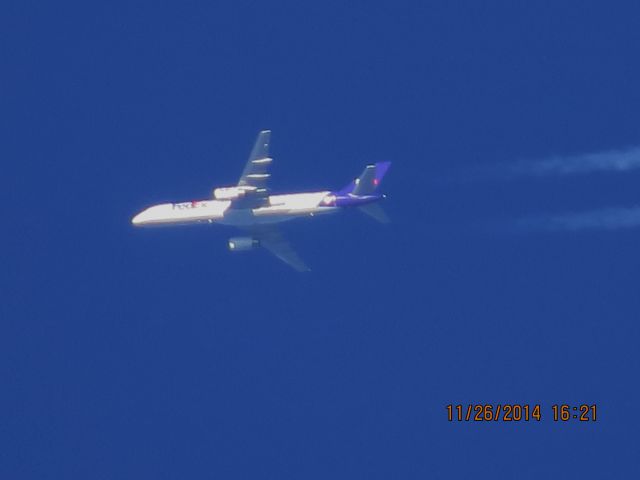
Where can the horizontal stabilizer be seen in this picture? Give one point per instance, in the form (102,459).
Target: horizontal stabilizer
(376,212)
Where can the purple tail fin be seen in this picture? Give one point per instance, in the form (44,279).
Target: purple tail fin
(368,181)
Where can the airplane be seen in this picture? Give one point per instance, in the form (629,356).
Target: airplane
(251,206)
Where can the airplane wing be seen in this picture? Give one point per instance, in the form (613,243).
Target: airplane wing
(273,241)
(255,173)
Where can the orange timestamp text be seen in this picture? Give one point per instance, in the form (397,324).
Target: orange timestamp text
(519,412)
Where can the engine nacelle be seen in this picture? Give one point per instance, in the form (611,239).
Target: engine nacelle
(240,244)
(229,193)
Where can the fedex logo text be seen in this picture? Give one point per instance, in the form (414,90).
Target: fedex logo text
(188,205)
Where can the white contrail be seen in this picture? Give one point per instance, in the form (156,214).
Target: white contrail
(603,219)
(608,161)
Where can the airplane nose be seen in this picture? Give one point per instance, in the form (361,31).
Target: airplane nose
(137,219)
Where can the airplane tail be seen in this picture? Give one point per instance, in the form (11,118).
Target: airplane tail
(368,181)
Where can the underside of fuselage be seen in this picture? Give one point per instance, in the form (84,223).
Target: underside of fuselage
(267,216)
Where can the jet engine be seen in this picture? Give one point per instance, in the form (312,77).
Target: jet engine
(229,193)
(240,244)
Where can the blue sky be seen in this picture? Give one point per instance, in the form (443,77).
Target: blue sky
(157,354)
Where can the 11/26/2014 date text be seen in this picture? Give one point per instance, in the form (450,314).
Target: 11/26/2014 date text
(520,412)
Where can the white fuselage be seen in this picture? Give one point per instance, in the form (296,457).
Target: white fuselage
(278,208)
